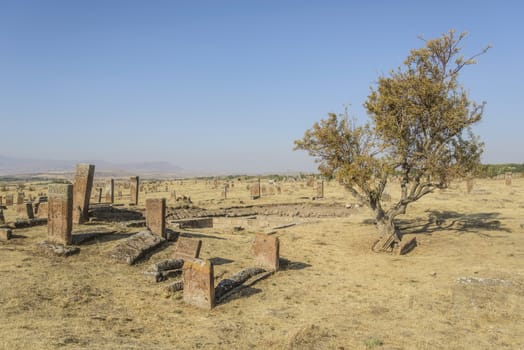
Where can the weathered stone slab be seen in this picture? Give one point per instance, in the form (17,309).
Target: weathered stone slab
(156,215)
(82,191)
(266,250)
(9,200)
(195,223)
(2,218)
(60,215)
(110,191)
(133,189)
(199,289)
(135,247)
(188,248)
(20,198)
(5,234)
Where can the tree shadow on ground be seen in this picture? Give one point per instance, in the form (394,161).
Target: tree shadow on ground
(437,221)
(90,238)
(242,293)
(113,214)
(287,265)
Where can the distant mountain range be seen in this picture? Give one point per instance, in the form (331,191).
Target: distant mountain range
(19,166)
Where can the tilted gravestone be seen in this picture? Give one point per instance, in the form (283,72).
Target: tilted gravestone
(133,189)
(60,216)
(156,215)
(188,248)
(82,191)
(266,250)
(199,288)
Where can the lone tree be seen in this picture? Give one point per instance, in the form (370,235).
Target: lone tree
(419,130)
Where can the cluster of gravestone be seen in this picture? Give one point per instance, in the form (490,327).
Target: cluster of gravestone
(68,204)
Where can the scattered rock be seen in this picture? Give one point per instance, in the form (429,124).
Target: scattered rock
(56,249)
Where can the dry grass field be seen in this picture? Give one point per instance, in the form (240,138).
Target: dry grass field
(461,288)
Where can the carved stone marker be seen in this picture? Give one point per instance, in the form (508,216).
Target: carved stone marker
(133,189)
(156,215)
(82,191)
(60,216)
(320,189)
(255,189)
(20,198)
(8,200)
(110,191)
(187,248)
(29,210)
(266,251)
(199,288)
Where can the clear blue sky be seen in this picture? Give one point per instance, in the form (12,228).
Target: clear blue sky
(228,85)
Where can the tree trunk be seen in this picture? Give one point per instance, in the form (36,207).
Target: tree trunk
(389,234)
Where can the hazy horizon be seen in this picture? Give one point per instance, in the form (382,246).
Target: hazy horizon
(226,87)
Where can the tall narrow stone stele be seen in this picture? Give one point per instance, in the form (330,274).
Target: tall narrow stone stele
(156,216)
(60,213)
(133,189)
(199,288)
(110,191)
(82,191)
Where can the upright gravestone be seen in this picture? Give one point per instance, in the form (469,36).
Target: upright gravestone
(99,195)
(9,200)
(82,191)
(266,251)
(110,191)
(29,210)
(133,189)
(255,189)
(156,215)
(60,215)
(20,198)
(320,189)
(507,177)
(199,288)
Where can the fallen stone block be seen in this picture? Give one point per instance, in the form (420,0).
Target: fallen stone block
(135,247)
(5,234)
